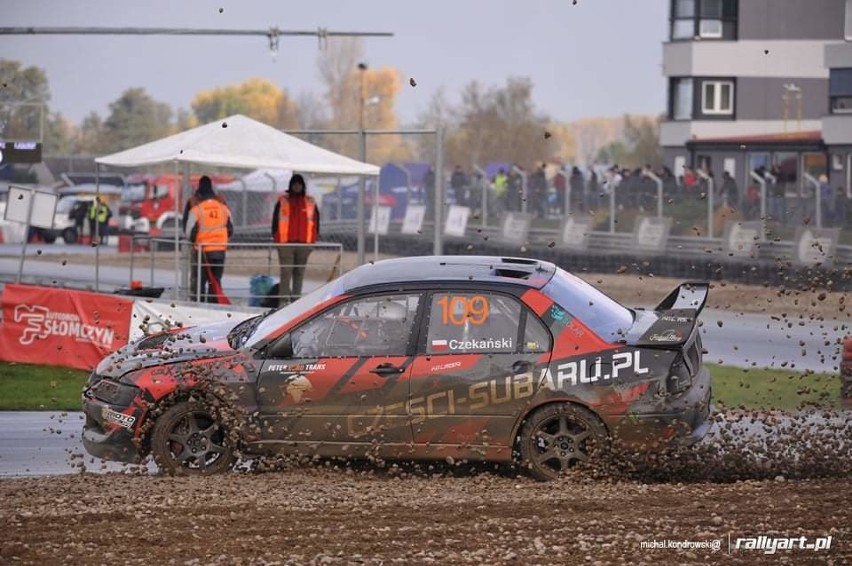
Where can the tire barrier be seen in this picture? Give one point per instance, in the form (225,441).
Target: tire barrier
(776,273)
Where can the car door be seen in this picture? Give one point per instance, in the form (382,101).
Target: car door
(346,378)
(476,367)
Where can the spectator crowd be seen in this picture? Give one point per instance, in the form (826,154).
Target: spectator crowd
(551,191)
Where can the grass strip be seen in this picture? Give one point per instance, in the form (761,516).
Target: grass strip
(25,387)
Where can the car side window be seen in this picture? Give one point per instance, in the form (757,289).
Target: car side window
(473,322)
(378,325)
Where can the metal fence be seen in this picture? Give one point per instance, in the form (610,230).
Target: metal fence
(250,269)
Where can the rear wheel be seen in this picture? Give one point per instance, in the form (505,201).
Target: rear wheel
(556,438)
(190,439)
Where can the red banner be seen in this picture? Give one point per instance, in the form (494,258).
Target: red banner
(44,325)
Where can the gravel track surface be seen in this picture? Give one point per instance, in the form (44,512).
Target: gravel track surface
(332,516)
(440,515)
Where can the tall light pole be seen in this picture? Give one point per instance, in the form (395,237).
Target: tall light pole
(362,97)
(362,138)
(792,88)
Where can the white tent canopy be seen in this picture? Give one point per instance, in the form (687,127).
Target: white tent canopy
(239,142)
(260,181)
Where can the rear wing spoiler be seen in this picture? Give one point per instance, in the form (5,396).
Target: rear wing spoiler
(687,296)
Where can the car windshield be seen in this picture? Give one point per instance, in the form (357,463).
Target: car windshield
(133,193)
(295,309)
(65,205)
(605,317)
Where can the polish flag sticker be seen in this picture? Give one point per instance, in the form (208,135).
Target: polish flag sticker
(439,345)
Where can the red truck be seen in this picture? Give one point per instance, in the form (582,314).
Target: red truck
(148,202)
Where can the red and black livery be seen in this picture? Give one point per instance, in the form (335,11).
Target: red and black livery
(461,357)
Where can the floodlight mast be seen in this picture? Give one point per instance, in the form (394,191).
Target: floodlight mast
(272,34)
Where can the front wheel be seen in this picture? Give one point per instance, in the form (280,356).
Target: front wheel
(70,235)
(556,438)
(189,439)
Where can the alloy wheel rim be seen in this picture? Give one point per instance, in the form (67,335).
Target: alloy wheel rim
(196,441)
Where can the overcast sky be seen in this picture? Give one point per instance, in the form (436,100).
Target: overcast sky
(592,58)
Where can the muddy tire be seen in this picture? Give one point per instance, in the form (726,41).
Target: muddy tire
(189,439)
(556,438)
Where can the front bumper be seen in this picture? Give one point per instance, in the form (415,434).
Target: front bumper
(677,420)
(106,439)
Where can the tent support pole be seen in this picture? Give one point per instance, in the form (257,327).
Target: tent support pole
(183,190)
(97,233)
(439,190)
(362,188)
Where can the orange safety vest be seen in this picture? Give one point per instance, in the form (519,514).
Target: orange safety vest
(284,220)
(194,200)
(211,216)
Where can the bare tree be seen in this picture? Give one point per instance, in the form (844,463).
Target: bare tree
(337,63)
(310,111)
(499,124)
(438,114)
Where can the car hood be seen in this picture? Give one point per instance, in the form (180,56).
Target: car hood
(186,344)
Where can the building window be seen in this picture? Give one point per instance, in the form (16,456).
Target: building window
(681,99)
(848,26)
(717,97)
(704,19)
(840,91)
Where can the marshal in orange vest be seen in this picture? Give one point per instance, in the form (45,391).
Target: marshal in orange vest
(308,230)
(211,217)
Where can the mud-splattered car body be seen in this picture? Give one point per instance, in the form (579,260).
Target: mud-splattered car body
(420,358)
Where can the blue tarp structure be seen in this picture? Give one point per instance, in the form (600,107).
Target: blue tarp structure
(494,167)
(417,170)
(394,191)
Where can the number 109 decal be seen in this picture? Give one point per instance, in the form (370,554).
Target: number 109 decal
(458,309)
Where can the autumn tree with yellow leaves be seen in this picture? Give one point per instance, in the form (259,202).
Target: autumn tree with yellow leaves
(256,98)
(349,90)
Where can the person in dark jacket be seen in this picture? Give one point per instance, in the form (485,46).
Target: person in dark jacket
(730,192)
(295,220)
(578,190)
(458,182)
(78,214)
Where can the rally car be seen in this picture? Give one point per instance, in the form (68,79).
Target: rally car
(454,358)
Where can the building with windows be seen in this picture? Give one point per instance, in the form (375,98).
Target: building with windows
(761,85)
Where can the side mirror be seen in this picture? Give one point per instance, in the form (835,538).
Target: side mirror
(281,349)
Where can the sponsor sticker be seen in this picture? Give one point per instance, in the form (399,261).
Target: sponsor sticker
(443,367)
(592,370)
(42,322)
(296,368)
(675,318)
(296,387)
(559,315)
(120,419)
(666,336)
